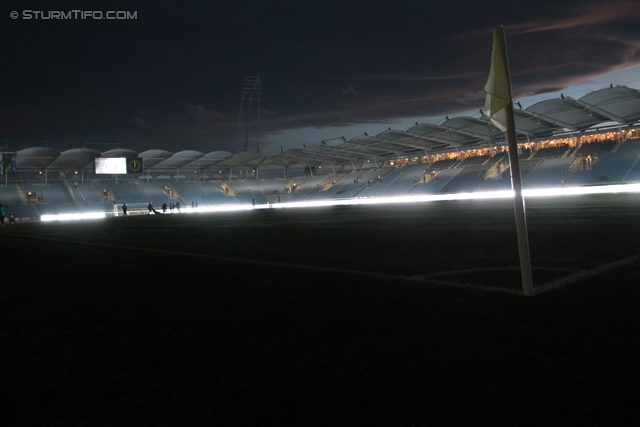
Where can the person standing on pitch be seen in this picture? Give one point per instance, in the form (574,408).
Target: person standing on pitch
(124,209)
(152,210)
(3,213)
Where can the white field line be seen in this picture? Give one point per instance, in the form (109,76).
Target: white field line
(573,278)
(577,275)
(556,284)
(476,270)
(277,264)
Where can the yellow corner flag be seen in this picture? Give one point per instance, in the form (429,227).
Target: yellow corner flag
(498,87)
(499,108)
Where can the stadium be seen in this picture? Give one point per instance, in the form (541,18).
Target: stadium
(337,313)
(563,142)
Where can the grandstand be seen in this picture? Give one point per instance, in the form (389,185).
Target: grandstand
(590,141)
(485,170)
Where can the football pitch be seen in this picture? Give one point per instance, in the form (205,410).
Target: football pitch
(353,315)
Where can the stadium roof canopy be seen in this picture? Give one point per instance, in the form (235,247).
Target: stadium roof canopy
(614,108)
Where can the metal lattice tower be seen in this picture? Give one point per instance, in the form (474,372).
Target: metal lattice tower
(249,119)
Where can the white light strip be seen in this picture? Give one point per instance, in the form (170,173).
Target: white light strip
(217,208)
(534,192)
(576,191)
(73,217)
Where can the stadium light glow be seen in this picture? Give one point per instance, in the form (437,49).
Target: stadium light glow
(216,208)
(528,193)
(73,216)
(577,191)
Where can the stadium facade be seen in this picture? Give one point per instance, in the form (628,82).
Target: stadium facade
(593,140)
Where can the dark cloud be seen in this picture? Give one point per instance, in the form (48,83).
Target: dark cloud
(202,115)
(140,125)
(350,91)
(173,77)
(267,113)
(471,97)
(585,15)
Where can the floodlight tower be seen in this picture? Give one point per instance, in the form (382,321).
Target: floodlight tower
(249,119)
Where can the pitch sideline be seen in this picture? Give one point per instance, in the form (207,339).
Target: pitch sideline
(550,286)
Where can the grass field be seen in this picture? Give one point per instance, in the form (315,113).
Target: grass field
(372,315)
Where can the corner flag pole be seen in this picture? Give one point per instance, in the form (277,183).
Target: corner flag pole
(499,108)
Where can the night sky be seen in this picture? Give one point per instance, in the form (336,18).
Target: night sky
(172,78)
